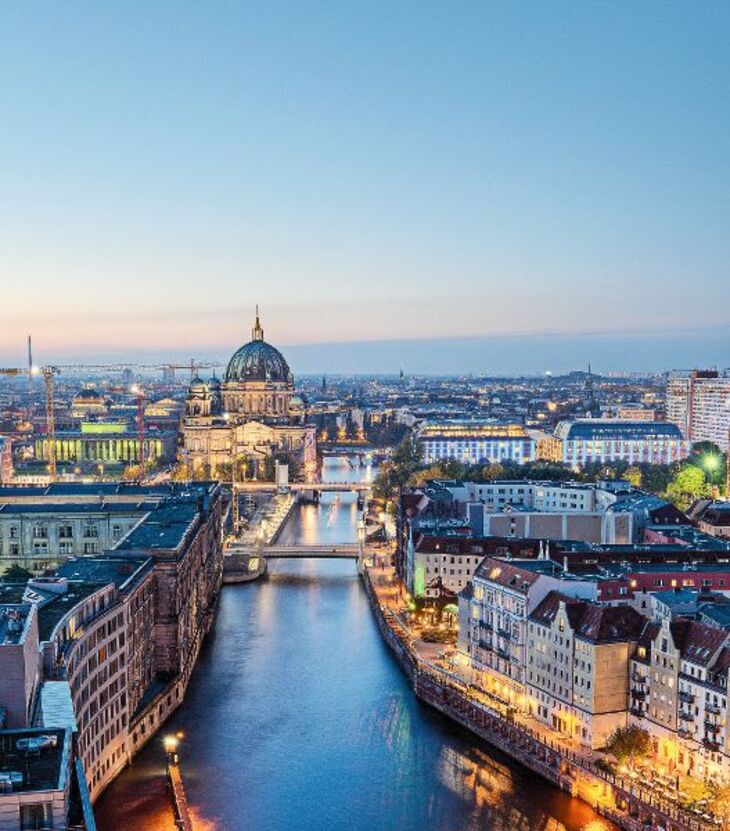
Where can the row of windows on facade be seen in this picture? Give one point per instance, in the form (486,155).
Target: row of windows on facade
(63,532)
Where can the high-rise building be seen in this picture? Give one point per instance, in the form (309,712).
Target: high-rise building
(698,403)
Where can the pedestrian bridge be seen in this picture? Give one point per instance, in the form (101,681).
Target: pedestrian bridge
(341,487)
(336,551)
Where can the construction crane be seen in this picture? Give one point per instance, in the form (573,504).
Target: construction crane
(139,393)
(194,366)
(48,372)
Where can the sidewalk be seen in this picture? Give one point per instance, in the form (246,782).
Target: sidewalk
(432,658)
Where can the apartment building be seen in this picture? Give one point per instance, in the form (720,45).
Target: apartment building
(678,691)
(578,657)
(698,403)
(503,594)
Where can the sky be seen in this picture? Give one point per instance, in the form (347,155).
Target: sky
(456,186)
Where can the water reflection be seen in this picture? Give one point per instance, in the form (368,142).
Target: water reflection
(298,718)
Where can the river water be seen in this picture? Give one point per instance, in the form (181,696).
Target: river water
(298,719)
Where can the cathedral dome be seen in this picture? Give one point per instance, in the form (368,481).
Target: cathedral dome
(258,361)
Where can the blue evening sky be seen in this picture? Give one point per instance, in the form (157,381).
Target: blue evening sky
(544,179)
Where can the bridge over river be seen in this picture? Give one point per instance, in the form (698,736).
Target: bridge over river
(322,487)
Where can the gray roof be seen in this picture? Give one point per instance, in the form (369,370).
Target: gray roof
(615,430)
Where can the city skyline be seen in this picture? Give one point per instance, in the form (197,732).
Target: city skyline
(370,176)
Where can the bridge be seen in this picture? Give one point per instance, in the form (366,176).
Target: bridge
(341,551)
(323,551)
(341,487)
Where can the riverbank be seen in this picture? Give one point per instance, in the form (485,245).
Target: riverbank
(622,800)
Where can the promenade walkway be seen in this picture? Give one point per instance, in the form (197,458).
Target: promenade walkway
(454,694)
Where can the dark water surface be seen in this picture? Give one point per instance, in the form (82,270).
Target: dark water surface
(298,719)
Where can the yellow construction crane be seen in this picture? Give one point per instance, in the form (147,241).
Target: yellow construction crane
(48,372)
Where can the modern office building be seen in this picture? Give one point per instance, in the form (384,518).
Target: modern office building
(611,440)
(475,442)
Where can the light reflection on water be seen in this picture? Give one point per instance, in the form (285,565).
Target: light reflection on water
(297,717)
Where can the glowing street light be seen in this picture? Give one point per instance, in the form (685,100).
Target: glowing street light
(171,743)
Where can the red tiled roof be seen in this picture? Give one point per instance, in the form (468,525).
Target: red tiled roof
(697,643)
(590,621)
(504,574)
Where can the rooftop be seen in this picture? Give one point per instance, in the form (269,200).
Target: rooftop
(164,528)
(43,765)
(121,571)
(612,429)
(14,621)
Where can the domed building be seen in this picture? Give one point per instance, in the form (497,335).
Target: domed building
(253,414)
(88,402)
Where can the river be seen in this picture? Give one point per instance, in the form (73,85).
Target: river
(298,719)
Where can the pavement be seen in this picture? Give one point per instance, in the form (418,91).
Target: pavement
(391,596)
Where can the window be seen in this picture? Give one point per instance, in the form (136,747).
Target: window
(37,815)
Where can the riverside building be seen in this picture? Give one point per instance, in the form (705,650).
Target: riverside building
(253,414)
(118,635)
(41,527)
(503,594)
(578,666)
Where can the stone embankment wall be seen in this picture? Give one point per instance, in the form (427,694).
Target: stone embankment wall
(620,800)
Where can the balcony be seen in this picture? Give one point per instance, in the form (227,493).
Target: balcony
(504,633)
(485,645)
(638,678)
(684,734)
(637,710)
(639,695)
(711,727)
(503,653)
(711,744)
(685,715)
(687,697)
(483,624)
(713,709)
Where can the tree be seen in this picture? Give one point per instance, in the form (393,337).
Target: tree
(628,744)
(492,472)
(719,803)
(708,457)
(655,478)
(687,485)
(633,475)
(16,574)
(692,790)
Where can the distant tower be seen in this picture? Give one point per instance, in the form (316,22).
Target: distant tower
(30,356)
(590,404)
(324,383)
(402,376)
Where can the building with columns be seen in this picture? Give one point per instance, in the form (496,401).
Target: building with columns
(254,415)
